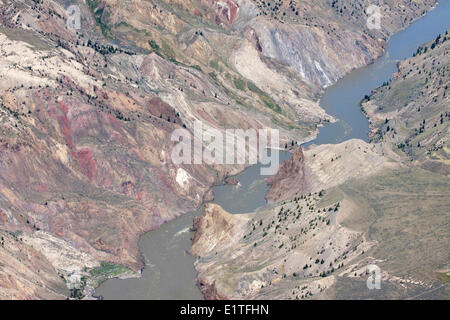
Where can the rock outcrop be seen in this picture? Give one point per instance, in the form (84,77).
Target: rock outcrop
(326,166)
(411,113)
(291,179)
(337,209)
(288,251)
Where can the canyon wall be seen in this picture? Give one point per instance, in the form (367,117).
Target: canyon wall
(87,114)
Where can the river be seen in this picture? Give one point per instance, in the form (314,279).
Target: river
(169,271)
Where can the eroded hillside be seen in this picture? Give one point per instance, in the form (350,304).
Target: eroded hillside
(86,114)
(412,112)
(337,209)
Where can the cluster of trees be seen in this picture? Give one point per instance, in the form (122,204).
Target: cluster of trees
(439,39)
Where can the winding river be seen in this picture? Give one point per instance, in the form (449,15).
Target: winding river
(169,271)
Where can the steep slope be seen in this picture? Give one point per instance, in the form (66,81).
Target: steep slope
(87,114)
(85,136)
(347,206)
(289,251)
(281,53)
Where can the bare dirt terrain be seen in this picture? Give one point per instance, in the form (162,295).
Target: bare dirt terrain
(86,117)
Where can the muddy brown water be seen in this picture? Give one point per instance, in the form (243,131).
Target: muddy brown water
(169,272)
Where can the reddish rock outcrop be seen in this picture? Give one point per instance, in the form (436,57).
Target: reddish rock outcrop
(252,36)
(163,110)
